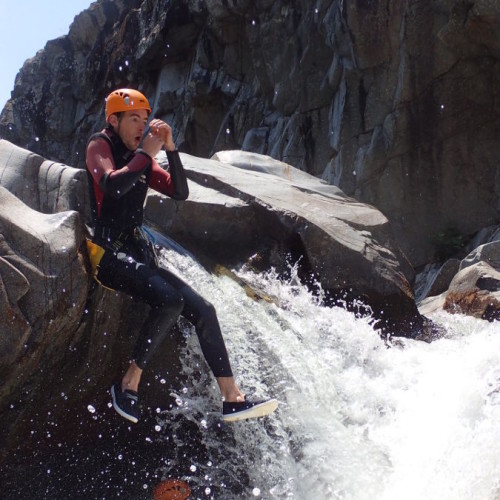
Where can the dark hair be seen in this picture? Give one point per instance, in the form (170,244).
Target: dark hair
(118,115)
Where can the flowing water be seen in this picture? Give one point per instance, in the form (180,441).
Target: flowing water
(359,418)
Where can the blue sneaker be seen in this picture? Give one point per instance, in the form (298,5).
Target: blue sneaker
(126,403)
(231,412)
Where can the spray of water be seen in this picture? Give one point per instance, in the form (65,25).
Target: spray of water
(358,419)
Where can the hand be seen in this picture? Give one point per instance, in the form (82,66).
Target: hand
(152,144)
(162,130)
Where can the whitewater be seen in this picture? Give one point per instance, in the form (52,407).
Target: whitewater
(360,417)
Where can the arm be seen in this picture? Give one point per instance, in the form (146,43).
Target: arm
(101,165)
(173,183)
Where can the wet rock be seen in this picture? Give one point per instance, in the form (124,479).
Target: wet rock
(475,291)
(475,287)
(437,279)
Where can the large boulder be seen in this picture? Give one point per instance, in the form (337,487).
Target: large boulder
(246,204)
(475,291)
(43,185)
(474,288)
(44,286)
(44,280)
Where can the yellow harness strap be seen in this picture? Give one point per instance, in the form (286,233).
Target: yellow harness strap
(95,255)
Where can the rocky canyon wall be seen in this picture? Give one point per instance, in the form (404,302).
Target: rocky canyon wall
(397,103)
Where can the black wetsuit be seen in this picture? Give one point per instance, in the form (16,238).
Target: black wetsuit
(129,263)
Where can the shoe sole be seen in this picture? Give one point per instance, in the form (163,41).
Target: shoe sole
(260,410)
(119,410)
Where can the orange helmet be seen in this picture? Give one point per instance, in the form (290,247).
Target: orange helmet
(125,100)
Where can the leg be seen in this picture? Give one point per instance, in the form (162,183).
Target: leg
(132,378)
(126,273)
(166,305)
(202,314)
(229,390)
(204,318)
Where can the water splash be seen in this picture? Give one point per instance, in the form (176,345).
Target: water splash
(358,419)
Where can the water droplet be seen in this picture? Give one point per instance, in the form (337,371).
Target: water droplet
(163,381)
(193,468)
(91,409)
(256,492)
(228,131)
(120,457)
(37,139)
(157,428)
(208,491)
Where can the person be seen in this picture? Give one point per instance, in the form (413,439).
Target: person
(121,167)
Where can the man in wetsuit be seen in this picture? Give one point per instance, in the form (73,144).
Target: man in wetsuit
(120,173)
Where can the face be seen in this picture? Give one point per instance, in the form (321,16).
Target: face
(130,127)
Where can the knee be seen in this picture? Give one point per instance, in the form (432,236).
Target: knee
(209,310)
(171,302)
(164,296)
(207,316)
(175,302)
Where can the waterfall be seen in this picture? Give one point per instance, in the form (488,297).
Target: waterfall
(359,418)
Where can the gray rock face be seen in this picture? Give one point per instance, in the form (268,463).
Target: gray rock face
(43,283)
(43,280)
(42,268)
(394,102)
(43,185)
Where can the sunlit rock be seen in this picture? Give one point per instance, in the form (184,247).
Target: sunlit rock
(44,284)
(474,287)
(475,291)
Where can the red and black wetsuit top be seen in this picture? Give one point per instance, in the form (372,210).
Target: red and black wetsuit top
(119,179)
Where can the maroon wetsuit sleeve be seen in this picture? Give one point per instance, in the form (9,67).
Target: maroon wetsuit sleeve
(172,183)
(101,166)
